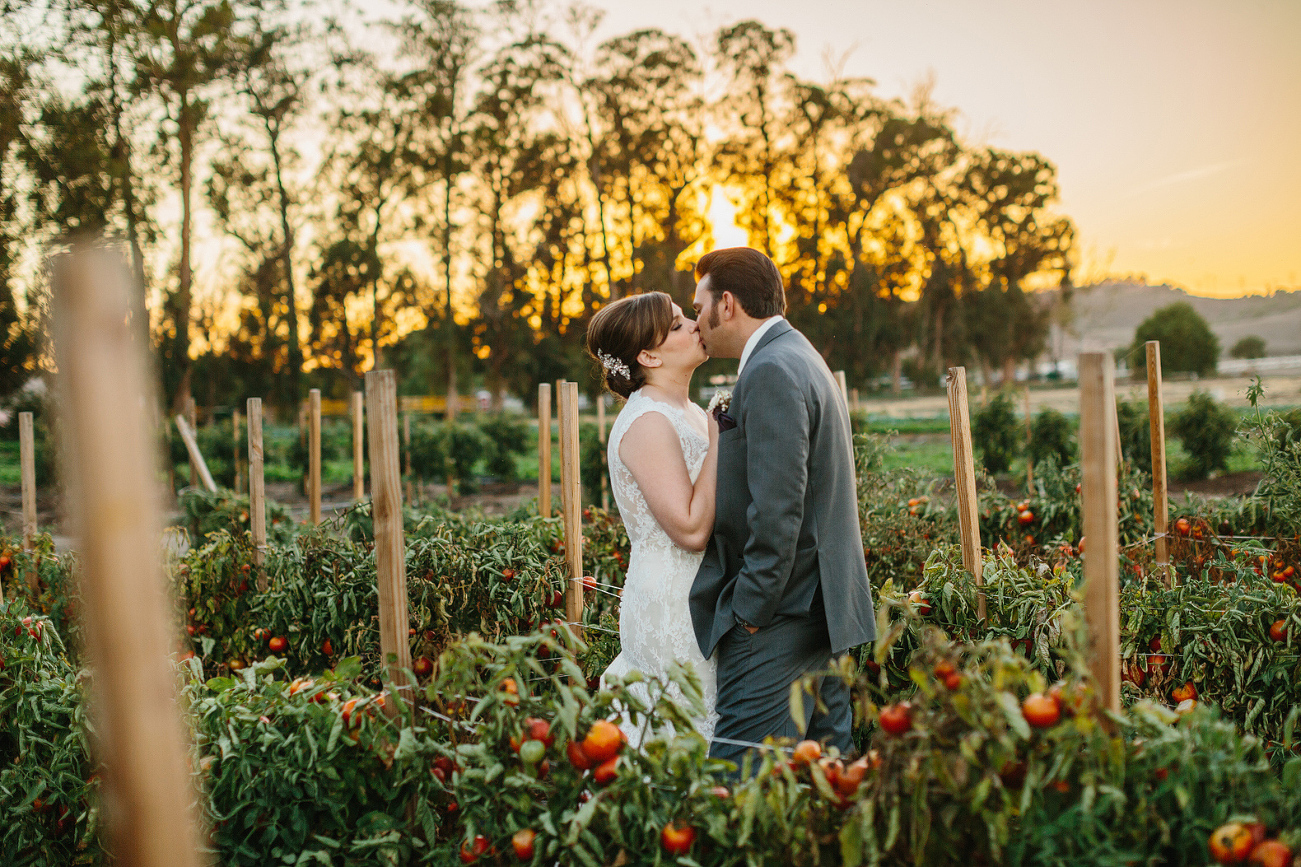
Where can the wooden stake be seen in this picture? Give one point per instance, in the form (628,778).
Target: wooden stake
(600,435)
(1098,487)
(234,428)
(571,503)
(844,389)
(27,459)
(853,400)
(257,499)
(314,455)
(358,437)
(1029,462)
(1160,495)
(196,459)
(390,544)
(113,503)
(544,450)
(964,478)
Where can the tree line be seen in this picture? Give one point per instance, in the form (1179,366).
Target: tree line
(453,191)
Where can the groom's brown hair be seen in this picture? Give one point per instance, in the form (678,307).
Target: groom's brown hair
(751,277)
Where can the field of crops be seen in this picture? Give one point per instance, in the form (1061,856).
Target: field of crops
(975,742)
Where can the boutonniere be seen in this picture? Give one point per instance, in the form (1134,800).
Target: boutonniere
(721,400)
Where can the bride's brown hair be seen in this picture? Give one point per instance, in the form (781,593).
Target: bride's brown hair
(621,330)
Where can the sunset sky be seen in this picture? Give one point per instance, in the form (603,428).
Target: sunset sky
(1175,126)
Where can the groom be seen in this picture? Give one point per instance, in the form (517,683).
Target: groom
(783,584)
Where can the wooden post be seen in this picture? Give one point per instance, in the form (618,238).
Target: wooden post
(1160,495)
(853,400)
(1098,487)
(844,389)
(192,416)
(27,459)
(314,455)
(1029,462)
(390,545)
(544,450)
(196,459)
(257,499)
(114,506)
(571,503)
(358,437)
(964,478)
(600,436)
(234,429)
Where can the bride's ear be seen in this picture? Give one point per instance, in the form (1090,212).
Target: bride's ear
(645,359)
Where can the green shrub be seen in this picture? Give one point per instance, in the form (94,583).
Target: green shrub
(1187,343)
(1052,435)
(1135,433)
(1206,429)
(997,434)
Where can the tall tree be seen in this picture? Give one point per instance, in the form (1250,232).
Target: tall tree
(443,39)
(182,50)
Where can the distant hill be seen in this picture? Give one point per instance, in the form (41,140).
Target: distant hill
(1106,315)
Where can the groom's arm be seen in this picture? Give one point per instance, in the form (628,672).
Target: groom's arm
(776,424)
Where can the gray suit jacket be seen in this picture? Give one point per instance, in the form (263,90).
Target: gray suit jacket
(786,522)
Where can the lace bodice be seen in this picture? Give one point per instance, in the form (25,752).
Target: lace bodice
(654,613)
(642,527)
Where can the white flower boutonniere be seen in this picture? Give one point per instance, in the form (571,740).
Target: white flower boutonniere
(721,400)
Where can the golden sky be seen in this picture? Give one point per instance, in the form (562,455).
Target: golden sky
(1175,124)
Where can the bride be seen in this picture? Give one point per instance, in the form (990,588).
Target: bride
(662,452)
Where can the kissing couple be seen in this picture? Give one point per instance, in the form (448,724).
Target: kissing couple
(747,560)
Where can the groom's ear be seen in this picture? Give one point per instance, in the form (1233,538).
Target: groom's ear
(728,303)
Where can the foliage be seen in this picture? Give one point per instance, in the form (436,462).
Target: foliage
(44,446)
(205,513)
(46,773)
(996,433)
(1051,435)
(1250,346)
(1277,438)
(1206,428)
(1187,343)
(1135,433)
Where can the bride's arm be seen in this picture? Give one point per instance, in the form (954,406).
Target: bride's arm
(652,453)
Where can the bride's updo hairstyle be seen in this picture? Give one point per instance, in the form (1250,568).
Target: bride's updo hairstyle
(621,330)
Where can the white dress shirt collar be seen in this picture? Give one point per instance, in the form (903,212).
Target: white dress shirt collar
(754,340)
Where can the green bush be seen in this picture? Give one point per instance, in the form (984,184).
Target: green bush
(997,434)
(508,436)
(1206,429)
(1052,435)
(1135,433)
(1187,343)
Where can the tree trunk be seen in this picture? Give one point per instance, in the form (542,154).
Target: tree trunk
(287,264)
(185,135)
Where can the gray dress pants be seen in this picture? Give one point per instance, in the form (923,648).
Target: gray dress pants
(755,673)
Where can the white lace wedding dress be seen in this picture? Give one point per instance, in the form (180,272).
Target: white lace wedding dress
(654,618)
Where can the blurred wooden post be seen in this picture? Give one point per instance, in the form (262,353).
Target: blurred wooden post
(314,455)
(1029,462)
(196,459)
(844,389)
(544,450)
(1160,496)
(853,400)
(358,437)
(192,416)
(257,500)
(571,503)
(27,459)
(234,431)
(600,436)
(964,478)
(1098,487)
(114,506)
(390,544)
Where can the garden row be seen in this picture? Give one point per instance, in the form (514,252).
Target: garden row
(959,762)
